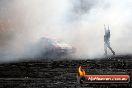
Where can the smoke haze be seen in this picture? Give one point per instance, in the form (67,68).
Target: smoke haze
(77,22)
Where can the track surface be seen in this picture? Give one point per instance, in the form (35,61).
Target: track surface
(61,73)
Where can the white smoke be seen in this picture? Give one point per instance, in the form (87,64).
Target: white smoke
(88,26)
(78,22)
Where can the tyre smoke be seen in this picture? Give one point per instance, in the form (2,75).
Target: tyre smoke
(77,22)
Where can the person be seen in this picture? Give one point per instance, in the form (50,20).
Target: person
(107,41)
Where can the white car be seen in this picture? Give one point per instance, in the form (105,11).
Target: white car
(54,48)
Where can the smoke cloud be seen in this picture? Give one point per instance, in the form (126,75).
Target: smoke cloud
(77,22)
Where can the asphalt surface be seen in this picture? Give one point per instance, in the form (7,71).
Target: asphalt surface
(62,73)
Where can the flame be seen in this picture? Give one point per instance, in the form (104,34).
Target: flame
(81,71)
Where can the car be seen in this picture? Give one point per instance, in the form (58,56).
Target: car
(53,48)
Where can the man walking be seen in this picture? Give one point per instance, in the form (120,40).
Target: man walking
(107,41)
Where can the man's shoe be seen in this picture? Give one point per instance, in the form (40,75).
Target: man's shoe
(113,52)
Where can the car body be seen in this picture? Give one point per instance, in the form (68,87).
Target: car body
(54,48)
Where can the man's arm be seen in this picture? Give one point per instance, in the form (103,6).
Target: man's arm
(108,28)
(105,28)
